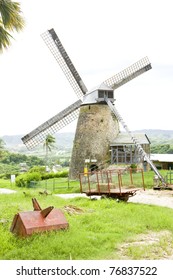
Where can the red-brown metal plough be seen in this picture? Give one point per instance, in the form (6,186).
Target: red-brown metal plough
(26,223)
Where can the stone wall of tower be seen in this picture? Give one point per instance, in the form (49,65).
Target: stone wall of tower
(96,128)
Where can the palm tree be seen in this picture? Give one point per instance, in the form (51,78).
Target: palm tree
(10,20)
(48,145)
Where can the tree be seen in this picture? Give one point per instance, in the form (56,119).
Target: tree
(48,145)
(10,20)
(1,144)
(1,147)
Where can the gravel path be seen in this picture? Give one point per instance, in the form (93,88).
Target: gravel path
(6,191)
(160,198)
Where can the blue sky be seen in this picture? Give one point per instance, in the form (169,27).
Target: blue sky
(102,37)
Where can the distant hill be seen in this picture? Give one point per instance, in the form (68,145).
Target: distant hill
(158,136)
(64,141)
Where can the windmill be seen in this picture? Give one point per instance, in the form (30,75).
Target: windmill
(98,121)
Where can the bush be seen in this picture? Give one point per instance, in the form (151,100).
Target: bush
(21,180)
(46,176)
(39,169)
(61,174)
(133,166)
(24,180)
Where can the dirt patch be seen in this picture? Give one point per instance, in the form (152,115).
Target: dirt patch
(151,246)
(161,198)
(6,191)
(72,209)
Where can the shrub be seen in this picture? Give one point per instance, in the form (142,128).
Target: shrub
(46,176)
(62,174)
(24,180)
(21,180)
(133,166)
(40,169)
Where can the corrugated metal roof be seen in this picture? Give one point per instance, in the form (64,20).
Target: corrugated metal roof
(90,97)
(124,138)
(162,157)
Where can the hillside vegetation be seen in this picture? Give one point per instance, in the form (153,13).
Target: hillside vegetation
(161,142)
(13,143)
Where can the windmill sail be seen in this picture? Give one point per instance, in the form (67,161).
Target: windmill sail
(51,126)
(54,44)
(129,73)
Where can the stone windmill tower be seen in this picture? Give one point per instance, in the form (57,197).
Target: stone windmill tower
(97,125)
(96,128)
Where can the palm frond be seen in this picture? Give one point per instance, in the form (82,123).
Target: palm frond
(5,38)
(11,15)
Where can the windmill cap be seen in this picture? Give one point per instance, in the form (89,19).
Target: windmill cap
(92,96)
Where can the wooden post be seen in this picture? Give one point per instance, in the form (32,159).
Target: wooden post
(107,173)
(98,185)
(89,183)
(117,155)
(131,176)
(143,179)
(119,181)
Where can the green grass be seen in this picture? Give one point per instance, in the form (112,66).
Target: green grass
(58,185)
(6,184)
(97,233)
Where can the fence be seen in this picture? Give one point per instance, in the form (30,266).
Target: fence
(53,184)
(169,178)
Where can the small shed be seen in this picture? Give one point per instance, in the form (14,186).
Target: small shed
(162,161)
(124,151)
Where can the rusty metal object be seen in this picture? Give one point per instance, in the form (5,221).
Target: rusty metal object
(36,205)
(27,223)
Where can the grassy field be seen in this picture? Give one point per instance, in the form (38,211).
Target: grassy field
(103,229)
(100,231)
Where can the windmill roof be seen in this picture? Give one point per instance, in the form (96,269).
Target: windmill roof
(124,138)
(90,97)
(102,86)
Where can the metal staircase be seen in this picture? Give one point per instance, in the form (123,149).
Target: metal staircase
(141,151)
